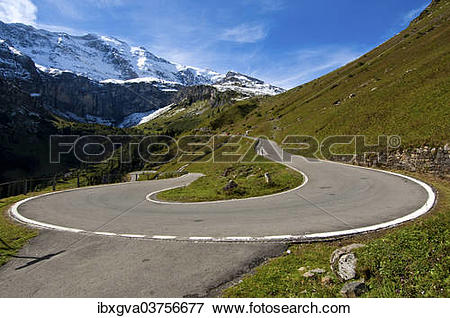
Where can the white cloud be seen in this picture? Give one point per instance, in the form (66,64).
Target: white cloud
(410,15)
(61,28)
(245,33)
(22,11)
(307,64)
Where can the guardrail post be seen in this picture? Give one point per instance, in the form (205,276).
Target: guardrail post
(25,190)
(54,184)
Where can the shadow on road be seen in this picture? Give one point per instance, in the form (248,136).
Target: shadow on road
(35,260)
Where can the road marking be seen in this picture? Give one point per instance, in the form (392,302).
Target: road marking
(279,237)
(132,235)
(106,233)
(163,237)
(202,238)
(239,238)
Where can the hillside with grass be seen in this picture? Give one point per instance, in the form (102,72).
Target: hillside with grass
(400,88)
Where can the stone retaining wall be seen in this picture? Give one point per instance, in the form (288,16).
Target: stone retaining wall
(433,160)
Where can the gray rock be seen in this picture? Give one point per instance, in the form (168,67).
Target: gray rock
(313,272)
(268,178)
(343,261)
(341,251)
(309,274)
(353,289)
(318,271)
(337,103)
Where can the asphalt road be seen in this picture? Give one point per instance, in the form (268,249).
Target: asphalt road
(335,198)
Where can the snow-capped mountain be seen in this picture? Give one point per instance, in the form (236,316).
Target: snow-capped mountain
(99,79)
(99,57)
(110,60)
(246,85)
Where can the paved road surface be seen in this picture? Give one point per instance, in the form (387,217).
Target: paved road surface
(336,198)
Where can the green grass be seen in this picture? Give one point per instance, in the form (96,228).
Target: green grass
(248,175)
(409,261)
(159,176)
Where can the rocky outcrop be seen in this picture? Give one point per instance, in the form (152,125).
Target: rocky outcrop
(192,94)
(24,129)
(69,93)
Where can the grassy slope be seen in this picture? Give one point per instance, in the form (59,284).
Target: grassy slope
(248,176)
(411,261)
(402,88)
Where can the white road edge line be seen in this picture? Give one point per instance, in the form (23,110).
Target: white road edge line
(13,211)
(133,235)
(164,237)
(239,238)
(201,238)
(106,233)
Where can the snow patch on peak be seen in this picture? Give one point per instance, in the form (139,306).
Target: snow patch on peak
(111,40)
(139,80)
(12,49)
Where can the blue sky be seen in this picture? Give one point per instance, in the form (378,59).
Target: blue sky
(280,41)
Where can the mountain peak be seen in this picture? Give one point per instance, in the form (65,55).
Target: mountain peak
(105,58)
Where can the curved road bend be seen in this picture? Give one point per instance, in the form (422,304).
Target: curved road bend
(336,197)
